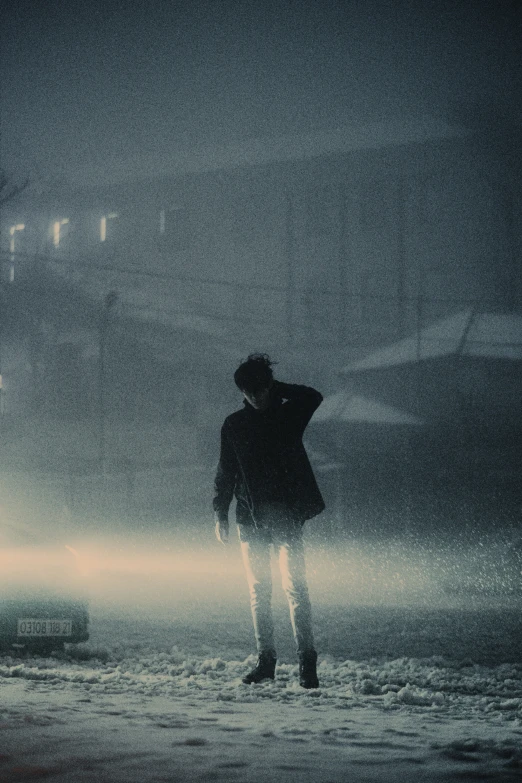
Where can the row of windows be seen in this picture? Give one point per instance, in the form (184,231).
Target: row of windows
(169,222)
(316,212)
(58,231)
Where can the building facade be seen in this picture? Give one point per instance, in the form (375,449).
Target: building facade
(321,252)
(347,249)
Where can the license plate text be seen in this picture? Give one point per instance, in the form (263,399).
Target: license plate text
(30,626)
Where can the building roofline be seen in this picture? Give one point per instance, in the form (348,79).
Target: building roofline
(258,151)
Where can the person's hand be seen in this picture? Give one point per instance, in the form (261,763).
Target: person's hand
(222,531)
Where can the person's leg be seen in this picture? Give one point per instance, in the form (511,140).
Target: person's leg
(255,549)
(293,575)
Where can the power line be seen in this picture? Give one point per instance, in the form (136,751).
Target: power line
(88,266)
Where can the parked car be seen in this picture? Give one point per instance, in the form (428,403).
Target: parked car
(43,600)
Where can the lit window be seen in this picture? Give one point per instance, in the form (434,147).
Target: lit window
(58,232)
(12,233)
(104,223)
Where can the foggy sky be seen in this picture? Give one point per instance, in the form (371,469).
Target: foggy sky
(88,82)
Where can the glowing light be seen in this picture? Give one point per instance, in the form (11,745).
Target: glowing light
(12,231)
(103,224)
(38,569)
(57,230)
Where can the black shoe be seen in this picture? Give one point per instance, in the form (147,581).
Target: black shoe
(264,669)
(308,670)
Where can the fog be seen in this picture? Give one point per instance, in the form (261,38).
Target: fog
(166,579)
(337,184)
(107,82)
(161,575)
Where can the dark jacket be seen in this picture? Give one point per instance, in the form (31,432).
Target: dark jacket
(263,460)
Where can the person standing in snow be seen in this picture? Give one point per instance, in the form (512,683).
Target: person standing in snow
(264,464)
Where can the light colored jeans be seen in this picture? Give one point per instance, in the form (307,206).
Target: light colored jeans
(287,540)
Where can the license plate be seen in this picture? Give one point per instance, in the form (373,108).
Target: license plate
(34,626)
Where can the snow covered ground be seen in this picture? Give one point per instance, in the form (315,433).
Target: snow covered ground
(152,700)
(415,685)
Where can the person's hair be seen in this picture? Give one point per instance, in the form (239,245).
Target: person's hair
(254,373)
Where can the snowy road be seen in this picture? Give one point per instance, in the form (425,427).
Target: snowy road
(164,701)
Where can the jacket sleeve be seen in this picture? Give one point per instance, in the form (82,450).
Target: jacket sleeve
(302,402)
(225,479)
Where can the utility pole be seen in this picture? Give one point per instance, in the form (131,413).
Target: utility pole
(2,408)
(109,304)
(401,253)
(507,202)
(343,261)
(290,275)
(8,192)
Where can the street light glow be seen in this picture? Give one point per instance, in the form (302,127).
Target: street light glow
(57,230)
